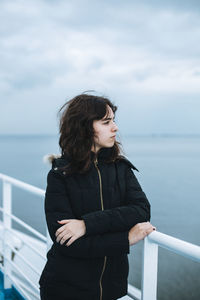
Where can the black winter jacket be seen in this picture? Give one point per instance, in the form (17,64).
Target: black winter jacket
(110,201)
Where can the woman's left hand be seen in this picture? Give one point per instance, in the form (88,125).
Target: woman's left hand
(72,229)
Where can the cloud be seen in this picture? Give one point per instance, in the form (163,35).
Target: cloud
(53,49)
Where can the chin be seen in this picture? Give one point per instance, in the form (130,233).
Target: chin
(109,146)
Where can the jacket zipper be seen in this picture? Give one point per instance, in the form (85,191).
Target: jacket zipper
(102,208)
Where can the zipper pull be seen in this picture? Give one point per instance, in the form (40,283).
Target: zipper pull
(96,161)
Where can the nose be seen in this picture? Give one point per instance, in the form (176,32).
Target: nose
(114,127)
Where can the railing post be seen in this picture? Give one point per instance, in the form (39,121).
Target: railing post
(149,270)
(7,224)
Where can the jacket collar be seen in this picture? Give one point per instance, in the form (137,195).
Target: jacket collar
(102,154)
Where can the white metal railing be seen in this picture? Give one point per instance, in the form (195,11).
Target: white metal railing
(150,249)
(150,259)
(8,233)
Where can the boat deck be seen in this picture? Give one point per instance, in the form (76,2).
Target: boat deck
(9,294)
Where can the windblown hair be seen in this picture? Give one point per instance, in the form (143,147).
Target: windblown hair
(77,133)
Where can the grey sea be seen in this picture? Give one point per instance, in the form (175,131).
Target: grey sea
(169,173)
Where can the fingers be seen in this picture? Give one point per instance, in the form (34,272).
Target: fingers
(150,228)
(61,235)
(71,241)
(64,221)
(145,228)
(64,238)
(60,230)
(145,225)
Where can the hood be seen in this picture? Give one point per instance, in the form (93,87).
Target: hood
(49,158)
(58,161)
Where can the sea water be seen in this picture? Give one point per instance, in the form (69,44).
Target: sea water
(169,174)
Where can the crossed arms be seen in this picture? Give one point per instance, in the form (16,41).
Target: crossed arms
(100,233)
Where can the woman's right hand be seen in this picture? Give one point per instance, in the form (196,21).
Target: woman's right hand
(139,232)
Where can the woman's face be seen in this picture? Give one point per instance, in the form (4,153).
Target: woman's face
(105,131)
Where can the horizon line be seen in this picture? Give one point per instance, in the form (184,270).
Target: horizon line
(125,135)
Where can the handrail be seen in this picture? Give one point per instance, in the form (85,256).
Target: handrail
(24,242)
(20,271)
(25,186)
(150,259)
(22,285)
(17,285)
(24,259)
(23,224)
(8,249)
(26,226)
(178,246)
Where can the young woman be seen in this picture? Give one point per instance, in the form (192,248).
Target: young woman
(95,208)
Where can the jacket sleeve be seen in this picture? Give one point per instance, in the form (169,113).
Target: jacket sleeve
(136,209)
(57,207)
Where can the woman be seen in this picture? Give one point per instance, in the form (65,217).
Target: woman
(95,208)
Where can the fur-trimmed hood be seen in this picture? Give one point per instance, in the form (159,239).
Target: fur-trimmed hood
(49,158)
(52,158)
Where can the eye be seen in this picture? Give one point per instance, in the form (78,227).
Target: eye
(107,122)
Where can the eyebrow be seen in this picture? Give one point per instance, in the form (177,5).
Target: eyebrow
(107,119)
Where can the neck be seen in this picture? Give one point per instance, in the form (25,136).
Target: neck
(95,149)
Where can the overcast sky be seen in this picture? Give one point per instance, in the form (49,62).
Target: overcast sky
(143,55)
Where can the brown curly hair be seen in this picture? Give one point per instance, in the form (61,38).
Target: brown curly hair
(77,133)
